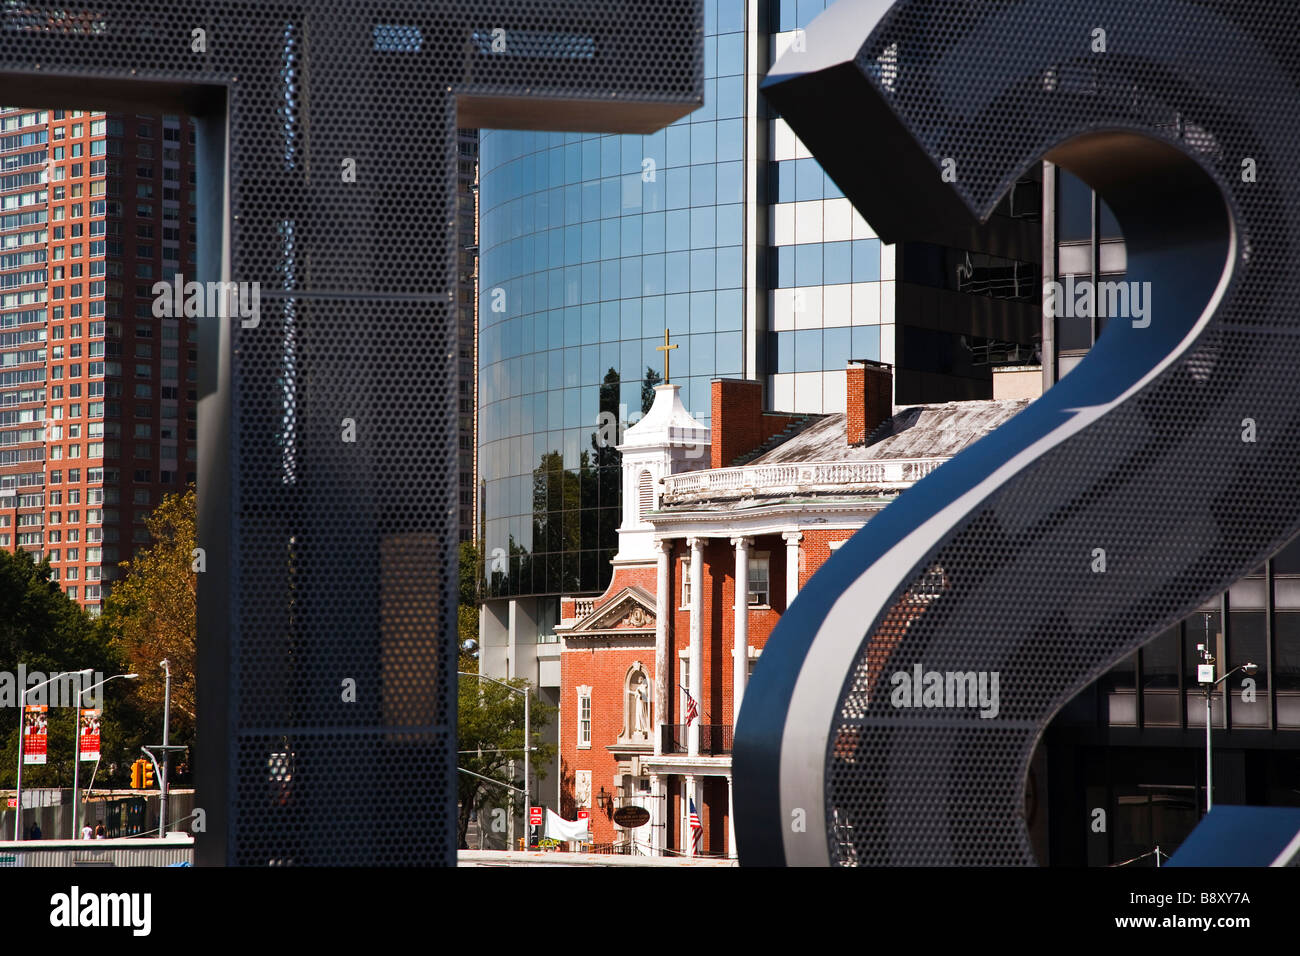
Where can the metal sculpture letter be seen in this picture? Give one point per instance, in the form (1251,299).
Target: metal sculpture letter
(327,151)
(1115,504)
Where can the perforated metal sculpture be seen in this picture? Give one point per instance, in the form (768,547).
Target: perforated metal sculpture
(327,157)
(1182,115)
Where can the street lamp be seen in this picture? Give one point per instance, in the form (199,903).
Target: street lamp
(527,742)
(165,664)
(1205,676)
(22,719)
(76,757)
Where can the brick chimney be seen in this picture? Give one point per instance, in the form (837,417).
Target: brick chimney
(739,423)
(870,398)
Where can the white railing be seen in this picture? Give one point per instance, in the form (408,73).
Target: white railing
(582,607)
(798,477)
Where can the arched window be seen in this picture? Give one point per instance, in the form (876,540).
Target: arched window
(645,495)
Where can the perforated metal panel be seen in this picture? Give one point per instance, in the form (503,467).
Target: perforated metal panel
(332,560)
(1118,502)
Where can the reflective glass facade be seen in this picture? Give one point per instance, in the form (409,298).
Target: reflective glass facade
(723,230)
(827,300)
(591,246)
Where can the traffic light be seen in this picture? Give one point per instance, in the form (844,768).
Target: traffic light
(148,774)
(137,775)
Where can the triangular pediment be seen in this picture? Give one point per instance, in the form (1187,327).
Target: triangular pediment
(632,610)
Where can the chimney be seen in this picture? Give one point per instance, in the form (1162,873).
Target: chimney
(739,424)
(870,398)
(737,414)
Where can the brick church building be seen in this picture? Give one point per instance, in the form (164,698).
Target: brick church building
(720,529)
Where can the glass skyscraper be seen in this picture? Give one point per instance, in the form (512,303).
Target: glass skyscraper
(722,230)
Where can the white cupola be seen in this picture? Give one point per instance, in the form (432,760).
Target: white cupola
(666,441)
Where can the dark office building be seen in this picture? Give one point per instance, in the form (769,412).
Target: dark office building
(1133,744)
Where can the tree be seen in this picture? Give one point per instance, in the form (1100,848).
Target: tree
(42,629)
(652,378)
(153,614)
(491,735)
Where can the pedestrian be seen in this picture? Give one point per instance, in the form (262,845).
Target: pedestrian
(87,831)
(35,832)
(100,833)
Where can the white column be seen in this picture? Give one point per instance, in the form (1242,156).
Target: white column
(665,675)
(512,660)
(512,640)
(792,539)
(697,641)
(688,844)
(731,819)
(740,644)
(656,817)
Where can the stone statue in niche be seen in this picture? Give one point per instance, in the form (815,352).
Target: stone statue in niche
(638,706)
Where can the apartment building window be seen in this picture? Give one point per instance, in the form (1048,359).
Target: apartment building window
(686,583)
(759,594)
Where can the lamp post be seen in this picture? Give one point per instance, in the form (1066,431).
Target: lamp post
(22,719)
(527,741)
(167,720)
(1205,676)
(76,756)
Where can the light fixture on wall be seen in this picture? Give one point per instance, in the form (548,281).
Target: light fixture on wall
(602,799)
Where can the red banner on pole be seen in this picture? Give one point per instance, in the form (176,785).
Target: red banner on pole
(535,816)
(36,730)
(88,733)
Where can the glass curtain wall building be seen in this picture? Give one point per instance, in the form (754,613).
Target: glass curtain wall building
(591,246)
(720,230)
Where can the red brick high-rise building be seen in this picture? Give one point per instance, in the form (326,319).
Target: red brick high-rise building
(97,395)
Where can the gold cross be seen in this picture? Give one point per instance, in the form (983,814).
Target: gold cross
(665,348)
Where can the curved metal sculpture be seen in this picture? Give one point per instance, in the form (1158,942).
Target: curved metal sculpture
(1113,506)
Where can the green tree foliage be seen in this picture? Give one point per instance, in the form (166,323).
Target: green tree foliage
(41,628)
(467,608)
(491,734)
(153,614)
(652,378)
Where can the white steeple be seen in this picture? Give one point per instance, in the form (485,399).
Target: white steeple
(666,441)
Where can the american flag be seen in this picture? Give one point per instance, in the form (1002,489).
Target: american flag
(697,830)
(692,709)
